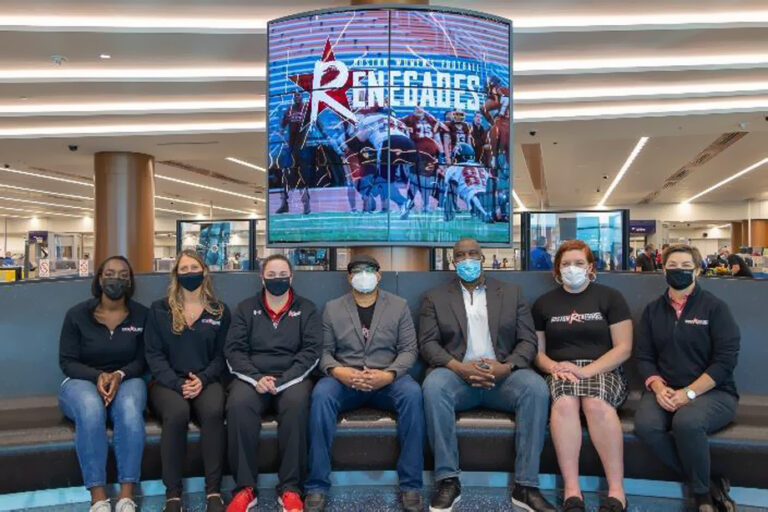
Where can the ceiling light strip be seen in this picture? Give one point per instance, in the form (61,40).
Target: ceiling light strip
(44,203)
(206,187)
(728,180)
(132,107)
(168,210)
(39,213)
(520,206)
(194,203)
(131,129)
(47,192)
(246,164)
(624,168)
(167,74)
(47,177)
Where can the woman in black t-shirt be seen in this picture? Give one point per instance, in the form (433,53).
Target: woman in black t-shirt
(184,340)
(585,334)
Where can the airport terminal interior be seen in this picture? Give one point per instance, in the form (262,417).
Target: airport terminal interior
(339,135)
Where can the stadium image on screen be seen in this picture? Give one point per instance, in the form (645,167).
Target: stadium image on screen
(390,126)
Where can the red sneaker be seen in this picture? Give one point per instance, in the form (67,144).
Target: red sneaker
(243,501)
(291,502)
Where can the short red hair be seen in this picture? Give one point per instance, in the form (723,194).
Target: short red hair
(572,245)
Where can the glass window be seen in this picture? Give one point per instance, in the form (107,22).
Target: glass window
(223,244)
(604,232)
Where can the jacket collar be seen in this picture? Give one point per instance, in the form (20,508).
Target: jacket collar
(695,293)
(381,303)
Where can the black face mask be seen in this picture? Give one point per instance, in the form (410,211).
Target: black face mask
(679,278)
(114,287)
(191,281)
(278,285)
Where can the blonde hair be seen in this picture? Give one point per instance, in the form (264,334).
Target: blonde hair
(176,298)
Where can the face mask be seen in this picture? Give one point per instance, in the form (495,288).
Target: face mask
(278,285)
(573,277)
(364,282)
(114,287)
(469,269)
(191,281)
(679,278)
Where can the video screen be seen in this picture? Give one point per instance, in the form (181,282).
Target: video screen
(389,126)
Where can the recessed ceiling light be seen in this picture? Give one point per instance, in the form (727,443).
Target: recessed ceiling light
(247,164)
(728,180)
(105,56)
(623,170)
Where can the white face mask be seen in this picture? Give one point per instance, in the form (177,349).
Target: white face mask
(364,282)
(573,277)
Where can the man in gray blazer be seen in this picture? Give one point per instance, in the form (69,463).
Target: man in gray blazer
(369,345)
(477,336)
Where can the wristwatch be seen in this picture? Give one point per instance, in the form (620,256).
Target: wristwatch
(691,394)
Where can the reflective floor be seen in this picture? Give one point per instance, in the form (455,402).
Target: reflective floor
(384,499)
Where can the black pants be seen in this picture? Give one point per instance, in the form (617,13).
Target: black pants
(174,412)
(245,407)
(681,438)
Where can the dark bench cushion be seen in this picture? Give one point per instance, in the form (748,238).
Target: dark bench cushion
(37,446)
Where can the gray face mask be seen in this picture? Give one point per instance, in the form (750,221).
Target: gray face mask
(573,276)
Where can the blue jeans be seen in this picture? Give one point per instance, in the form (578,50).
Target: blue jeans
(80,402)
(330,397)
(524,393)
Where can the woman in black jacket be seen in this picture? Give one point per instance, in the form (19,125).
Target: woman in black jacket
(185,336)
(101,352)
(687,349)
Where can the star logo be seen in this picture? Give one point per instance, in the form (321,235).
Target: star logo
(327,85)
(575,317)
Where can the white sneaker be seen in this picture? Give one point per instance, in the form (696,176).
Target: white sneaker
(100,506)
(125,505)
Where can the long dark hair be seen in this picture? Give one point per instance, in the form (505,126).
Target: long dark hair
(96,289)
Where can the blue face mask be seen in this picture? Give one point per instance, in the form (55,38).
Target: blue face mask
(469,269)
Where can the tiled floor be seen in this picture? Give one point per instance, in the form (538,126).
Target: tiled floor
(384,499)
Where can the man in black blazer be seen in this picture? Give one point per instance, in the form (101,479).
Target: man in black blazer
(477,336)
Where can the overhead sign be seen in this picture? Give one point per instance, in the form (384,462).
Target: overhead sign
(642,227)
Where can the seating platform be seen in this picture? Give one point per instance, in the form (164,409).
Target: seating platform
(37,443)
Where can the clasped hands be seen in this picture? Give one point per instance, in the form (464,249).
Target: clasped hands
(192,386)
(366,379)
(107,385)
(669,399)
(566,370)
(483,373)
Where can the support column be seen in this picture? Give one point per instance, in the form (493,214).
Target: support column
(736,238)
(124,219)
(759,233)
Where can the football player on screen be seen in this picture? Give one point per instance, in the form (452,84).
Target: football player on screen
(496,111)
(459,131)
(470,180)
(294,123)
(422,179)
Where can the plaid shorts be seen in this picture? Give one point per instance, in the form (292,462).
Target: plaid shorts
(610,386)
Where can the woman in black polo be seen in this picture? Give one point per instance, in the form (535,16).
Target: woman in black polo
(687,350)
(585,334)
(185,350)
(101,353)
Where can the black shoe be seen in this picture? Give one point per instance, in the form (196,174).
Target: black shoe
(173,505)
(611,504)
(703,503)
(447,494)
(214,504)
(530,499)
(574,504)
(412,501)
(314,502)
(720,486)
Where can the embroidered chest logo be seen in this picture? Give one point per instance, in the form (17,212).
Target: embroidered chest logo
(132,328)
(210,321)
(578,318)
(294,314)
(257,312)
(696,321)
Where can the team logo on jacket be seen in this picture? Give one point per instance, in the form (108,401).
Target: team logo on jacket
(578,318)
(256,312)
(293,314)
(210,321)
(132,328)
(696,321)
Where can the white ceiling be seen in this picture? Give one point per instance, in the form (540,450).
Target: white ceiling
(592,77)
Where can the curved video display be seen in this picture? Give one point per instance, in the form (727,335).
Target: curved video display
(389,126)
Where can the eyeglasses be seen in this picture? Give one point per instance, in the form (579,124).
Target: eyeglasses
(357,269)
